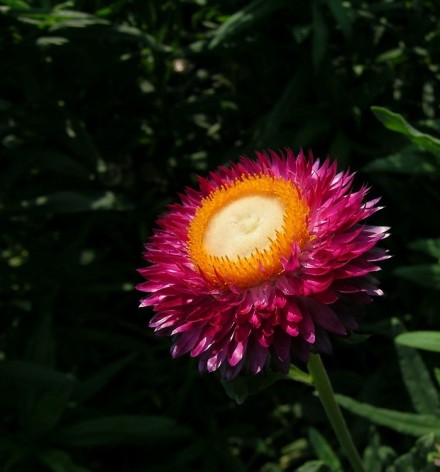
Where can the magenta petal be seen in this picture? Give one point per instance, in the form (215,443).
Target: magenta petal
(233,328)
(326,317)
(281,345)
(185,343)
(257,357)
(293,312)
(201,345)
(307,329)
(216,360)
(237,350)
(291,330)
(328,297)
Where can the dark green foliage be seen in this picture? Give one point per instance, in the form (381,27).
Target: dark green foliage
(107,111)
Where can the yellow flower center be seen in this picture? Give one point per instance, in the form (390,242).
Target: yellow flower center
(243,229)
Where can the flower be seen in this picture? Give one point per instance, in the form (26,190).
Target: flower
(254,269)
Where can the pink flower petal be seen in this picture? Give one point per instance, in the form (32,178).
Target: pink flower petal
(231,328)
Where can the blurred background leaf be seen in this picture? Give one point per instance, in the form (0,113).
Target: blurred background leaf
(107,111)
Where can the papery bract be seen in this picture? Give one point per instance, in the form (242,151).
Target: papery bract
(290,252)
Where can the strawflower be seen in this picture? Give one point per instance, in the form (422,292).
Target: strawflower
(254,269)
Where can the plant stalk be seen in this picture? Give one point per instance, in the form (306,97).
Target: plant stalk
(326,394)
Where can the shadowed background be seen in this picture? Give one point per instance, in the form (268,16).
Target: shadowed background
(107,111)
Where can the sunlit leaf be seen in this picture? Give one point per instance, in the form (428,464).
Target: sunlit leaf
(46,41)
(427,340)
(407,161)
(19,4)
(396,122)
(295,373)
(294,451)
(406,423)
(313,466)
(390,56)
(418,382)
(324,451)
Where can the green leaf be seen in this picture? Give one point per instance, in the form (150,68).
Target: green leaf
(41,394)
(88,388)
(340,13)
(41,345)
(376,456)
(427,275)
(437,375)
(60,461)
(396,122)
(16,4)
(320,34)
(313,466)
(294,451)
(427,340)
(417,380)
(58,162)
(75,202)
(245,19)
(146,39)
(280,111)
(126,429)
(73,19)
(47,41)
(12,452)
(406,423)
(27,375)
(428,246)
(41,411)
(299,375)
(324,451)
(407,161)
(394,55)
(417,459)
(271,467)
(356,338)
(241,387)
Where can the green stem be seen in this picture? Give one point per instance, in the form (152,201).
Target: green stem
(334,414)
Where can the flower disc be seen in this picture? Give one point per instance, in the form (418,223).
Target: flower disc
(242,230)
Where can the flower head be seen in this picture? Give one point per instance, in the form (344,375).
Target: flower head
(256,267)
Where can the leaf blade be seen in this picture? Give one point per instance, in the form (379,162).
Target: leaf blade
(244,19)
(407,423)
(324,451)
(427,340)
(395,122)
(122,429)
(427,275)
(417,380)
